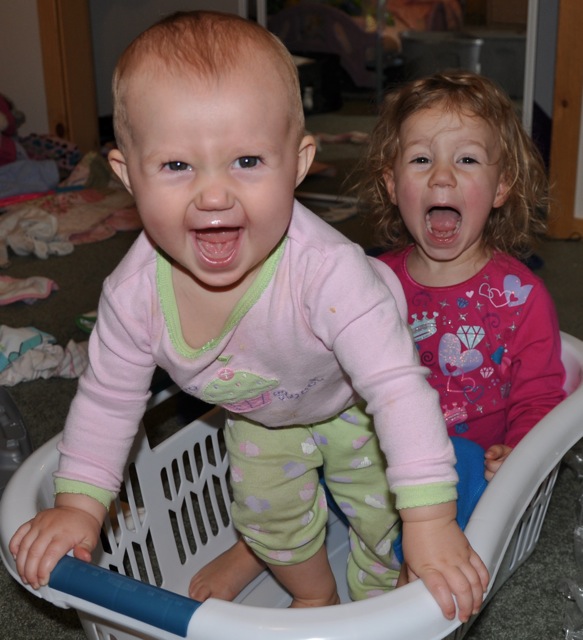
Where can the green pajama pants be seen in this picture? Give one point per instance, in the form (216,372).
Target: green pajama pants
(280,506)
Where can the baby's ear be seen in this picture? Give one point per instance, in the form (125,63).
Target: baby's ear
(306,153)
(118,163)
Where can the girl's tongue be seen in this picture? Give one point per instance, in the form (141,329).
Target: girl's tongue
(217,245)
(442,221)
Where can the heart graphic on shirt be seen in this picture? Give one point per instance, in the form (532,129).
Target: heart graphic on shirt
(452,360)
(516,293)
(513,294)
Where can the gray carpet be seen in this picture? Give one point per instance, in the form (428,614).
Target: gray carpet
(528,607)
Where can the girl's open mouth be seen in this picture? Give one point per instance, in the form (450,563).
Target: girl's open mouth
(218,246)
(443,222)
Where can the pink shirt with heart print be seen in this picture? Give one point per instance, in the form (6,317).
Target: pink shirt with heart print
(493,347)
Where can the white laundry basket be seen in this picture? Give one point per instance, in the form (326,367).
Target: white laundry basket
(173,518)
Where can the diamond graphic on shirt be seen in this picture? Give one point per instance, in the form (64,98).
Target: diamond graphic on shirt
(470,336)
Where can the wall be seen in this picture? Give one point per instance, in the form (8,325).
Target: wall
(115,23)
(20,50)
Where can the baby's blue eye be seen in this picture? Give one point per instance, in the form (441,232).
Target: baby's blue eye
(247,162)
(177,165)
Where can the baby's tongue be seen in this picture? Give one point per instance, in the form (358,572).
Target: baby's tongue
(217,244)
(442,220)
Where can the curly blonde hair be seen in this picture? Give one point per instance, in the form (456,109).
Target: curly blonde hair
(512,228)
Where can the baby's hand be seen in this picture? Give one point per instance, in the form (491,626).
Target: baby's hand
(39,544)
(437,551)
(493,459)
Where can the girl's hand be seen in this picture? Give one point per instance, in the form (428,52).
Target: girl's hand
(437,551)
(493,459)
(74,523)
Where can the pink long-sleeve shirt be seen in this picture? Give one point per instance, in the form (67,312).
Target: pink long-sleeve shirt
(493,346)
(321,327)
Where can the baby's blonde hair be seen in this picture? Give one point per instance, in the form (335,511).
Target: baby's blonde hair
(208,44)
(511,228)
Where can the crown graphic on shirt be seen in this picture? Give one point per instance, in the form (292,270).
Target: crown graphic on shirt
(423,327)
(455,413)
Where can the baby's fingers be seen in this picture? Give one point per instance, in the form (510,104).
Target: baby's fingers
(14,545)
(481,569)
(441,592)
(465,583)
(37,557)
(469,586)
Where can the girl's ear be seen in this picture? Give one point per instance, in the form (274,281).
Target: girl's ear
(390,185)
(120,168)
(306,153)
(502,192)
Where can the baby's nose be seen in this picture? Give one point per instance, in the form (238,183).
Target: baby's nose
(213,193)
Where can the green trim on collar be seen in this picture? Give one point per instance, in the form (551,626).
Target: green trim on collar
(170,307)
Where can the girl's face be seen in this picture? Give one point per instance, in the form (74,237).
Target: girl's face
(446,180)
(213,167)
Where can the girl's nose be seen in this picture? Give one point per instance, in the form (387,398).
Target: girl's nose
(212,194)
(442,175)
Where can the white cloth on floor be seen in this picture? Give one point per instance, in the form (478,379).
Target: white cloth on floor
(27,290)
(30,230)
(28,354)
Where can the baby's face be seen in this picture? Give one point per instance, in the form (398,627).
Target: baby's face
(213,165)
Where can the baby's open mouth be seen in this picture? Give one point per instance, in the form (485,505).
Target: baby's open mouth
(217,245)
(443,222)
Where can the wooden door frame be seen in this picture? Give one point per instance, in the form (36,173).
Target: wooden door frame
(71,94)
(566,123)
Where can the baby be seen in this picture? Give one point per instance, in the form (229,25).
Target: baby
(251,302)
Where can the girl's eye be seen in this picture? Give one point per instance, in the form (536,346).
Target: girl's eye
(247,162)
(468,160)
(177,165)
(420,160)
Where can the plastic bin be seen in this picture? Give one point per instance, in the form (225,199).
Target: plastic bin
(427,52)
(173,518)
(503,58)
(15,443)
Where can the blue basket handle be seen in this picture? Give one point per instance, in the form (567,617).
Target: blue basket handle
(155,606)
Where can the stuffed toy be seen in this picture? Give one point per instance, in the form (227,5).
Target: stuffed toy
(10,120)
